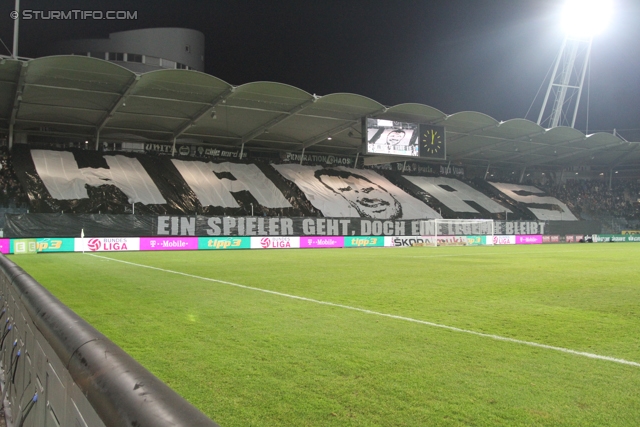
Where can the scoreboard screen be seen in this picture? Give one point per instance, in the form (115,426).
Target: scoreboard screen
(394,138)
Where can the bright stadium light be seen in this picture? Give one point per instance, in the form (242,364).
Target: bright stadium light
(586,18)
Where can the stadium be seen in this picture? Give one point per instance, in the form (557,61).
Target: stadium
(178,250)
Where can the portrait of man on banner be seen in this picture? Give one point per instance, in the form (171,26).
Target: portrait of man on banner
(369,199)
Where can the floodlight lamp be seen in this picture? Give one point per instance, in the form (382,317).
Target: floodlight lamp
(586,18)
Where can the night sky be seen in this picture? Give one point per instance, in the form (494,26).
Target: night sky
(489,56)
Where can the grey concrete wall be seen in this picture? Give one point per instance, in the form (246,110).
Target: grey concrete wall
(180,45)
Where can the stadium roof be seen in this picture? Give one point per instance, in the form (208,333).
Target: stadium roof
(80,96)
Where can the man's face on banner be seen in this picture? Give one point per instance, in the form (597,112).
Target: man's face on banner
(369,199)
(394,137)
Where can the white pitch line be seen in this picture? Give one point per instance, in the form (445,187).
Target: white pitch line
(390,316)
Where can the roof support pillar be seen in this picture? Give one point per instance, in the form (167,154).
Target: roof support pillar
(10,136)
(16,32)
(487,171)
(522,175)
(610,177)
(241,151)
(173,147)
(302,156)
(355,165)
(97,140)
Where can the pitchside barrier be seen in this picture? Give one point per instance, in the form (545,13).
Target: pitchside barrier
(60,371)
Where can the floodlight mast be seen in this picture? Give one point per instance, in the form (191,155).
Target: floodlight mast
(582,20)
(566,84)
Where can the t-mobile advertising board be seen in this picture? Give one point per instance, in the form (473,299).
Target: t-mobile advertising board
(168,243)
(5,246)
(107,244)
(322,242)
(529,240)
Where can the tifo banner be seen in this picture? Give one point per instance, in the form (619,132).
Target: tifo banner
(96,225)
(168,243)
(346,192)
(224,243)
(106,244)
(542,206)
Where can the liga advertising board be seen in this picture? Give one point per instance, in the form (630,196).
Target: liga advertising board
(504,240)
(275,242)
(107,244)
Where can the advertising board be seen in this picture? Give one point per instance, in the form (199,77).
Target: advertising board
(363,241)
(529,240)
(221,243)
(504,240)
(23,246)
(168,243)
(5,246)
(275,242)
(50,244)
(106,244)
(322,242)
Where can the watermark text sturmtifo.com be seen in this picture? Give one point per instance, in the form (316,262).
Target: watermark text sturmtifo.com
(29,14)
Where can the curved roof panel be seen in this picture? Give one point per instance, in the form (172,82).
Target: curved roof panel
(83,97)
(414,113)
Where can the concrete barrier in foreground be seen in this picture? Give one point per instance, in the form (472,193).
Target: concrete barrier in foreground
(60,371)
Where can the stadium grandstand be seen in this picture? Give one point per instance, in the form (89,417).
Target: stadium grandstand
(99,156)
(174,124)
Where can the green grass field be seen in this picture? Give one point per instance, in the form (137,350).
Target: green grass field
(251,358)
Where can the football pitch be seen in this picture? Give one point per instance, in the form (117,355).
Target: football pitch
(545,335)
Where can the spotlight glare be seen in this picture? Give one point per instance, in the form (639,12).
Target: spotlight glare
(586,18)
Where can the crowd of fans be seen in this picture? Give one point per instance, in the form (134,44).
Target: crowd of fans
(595,197)
(590,197)
(11,193)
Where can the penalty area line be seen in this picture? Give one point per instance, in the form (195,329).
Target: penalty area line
(390,316)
